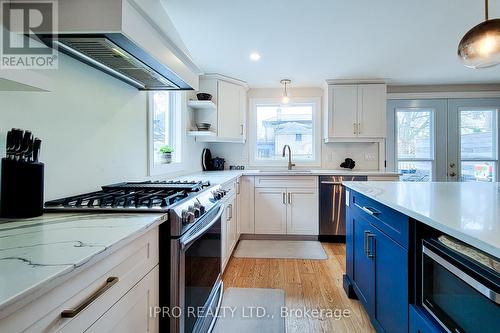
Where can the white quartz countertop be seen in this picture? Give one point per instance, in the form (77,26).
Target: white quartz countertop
(221,177)
(38,254)
(467,211)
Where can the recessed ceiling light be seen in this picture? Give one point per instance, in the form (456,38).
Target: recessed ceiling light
(254,56)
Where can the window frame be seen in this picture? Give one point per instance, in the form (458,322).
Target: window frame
(316,132)
(496,134)
(432,130)
(177,130)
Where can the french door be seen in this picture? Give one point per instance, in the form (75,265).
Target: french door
(444,139)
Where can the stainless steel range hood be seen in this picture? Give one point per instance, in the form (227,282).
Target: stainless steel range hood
(121,39)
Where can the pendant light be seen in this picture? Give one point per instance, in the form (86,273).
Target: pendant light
(285,99)
(480,47)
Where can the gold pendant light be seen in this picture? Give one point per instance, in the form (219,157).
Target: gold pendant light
(480,47)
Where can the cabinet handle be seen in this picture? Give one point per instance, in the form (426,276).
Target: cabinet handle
(110,281)
(289,198)
(359,128)
(284,198)
(371,245)
(241,129)
(230,212)
(369,210)
(354,128)
(237,187)
(365,242)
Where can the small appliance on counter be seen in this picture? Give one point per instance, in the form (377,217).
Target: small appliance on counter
(211,164)
(22,176)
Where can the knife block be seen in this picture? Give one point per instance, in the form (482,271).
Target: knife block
(21,189)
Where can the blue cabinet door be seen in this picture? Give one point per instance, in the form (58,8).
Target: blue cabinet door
(391,282)
(364,267)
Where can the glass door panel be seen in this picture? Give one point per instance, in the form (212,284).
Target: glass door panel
(473,139)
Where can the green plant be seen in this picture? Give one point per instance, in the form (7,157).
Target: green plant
(166,149)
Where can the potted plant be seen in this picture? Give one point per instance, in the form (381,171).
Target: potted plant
(166,154)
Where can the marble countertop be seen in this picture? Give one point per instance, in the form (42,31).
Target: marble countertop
(468,211)
(38,254)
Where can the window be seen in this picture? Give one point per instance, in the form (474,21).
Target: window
(275,126)
(164,124)
(415,144)
(478,145)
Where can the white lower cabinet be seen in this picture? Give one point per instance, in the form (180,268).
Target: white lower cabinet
(229,224)
(131,314)
(286,206)
(302,211)
(270,210)
(112,295)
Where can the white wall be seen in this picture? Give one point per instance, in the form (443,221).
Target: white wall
(93,127)
(332,154)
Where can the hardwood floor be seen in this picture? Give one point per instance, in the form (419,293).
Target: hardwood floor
(313,284)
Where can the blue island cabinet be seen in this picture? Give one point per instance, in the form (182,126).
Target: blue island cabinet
(377,261)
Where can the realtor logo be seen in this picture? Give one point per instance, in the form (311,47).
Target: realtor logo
(21,22)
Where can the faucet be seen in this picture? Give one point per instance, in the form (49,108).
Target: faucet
(290,164)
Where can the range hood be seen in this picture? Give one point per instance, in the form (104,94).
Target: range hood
(121,39)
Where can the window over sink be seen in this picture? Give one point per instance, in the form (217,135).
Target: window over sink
(164,124)
(274,125)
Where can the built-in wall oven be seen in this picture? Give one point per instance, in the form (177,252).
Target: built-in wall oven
(459,291)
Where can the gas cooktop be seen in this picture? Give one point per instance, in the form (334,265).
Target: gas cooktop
(149,196)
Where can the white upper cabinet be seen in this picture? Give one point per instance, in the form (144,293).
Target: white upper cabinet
(355,112)
(228,119)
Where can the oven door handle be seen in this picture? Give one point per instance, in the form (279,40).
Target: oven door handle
(185,243)
(481,288)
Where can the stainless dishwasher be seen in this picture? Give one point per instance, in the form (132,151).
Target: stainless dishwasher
(332,207)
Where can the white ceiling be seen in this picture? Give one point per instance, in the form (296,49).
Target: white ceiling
(406,41)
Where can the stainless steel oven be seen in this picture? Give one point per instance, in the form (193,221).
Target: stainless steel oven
(462,294)
(195,274)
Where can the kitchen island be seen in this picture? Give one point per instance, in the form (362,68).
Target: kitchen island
(395,229)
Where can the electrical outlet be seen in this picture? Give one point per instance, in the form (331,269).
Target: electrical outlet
(369,156)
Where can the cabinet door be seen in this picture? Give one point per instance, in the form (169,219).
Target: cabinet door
(131,312)
(243,111)
(228,110)
(231,226)
(342,112)
(372,100)
(270,211)
(391,282)
(364,267)
(302,211)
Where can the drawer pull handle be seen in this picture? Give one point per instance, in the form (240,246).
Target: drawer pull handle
(109,283)
(370,210)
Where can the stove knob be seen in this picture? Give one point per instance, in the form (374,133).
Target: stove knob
(202,209)
(187,217)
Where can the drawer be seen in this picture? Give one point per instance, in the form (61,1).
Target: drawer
(100,285)
(286,181)
(391,222)
(420,323)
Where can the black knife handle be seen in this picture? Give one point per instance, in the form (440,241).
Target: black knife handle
(36,149)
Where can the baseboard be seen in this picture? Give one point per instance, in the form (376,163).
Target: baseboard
(278,237)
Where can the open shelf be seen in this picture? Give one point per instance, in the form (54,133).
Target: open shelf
(202,105)
(201,133)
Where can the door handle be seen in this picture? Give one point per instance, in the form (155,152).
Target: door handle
(371,245)
(284,198)
(289,198)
